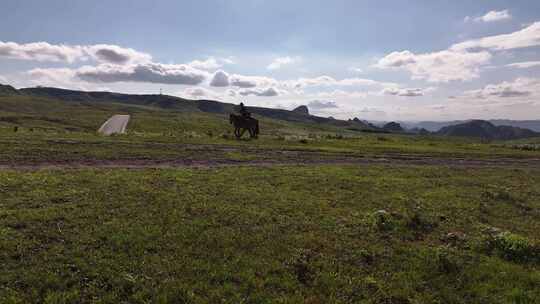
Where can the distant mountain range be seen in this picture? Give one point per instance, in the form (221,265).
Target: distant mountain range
(487,130)
(433,126)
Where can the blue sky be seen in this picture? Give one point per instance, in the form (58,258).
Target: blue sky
(379,60)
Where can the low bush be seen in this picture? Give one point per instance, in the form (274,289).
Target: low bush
(511,246)
(381,220)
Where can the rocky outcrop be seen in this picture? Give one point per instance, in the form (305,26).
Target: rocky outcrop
(302,110)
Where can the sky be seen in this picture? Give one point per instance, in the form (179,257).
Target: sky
(375,60)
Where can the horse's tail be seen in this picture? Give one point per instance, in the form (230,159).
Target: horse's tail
(257,127)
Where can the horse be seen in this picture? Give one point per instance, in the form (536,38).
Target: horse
(241,124)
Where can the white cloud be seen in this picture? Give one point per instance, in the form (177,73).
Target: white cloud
(443,66)
(524,65)
(114,54)
(522,87)
(493,16)
(356,70)
(59,77)
(406,92)
(43,51)
(40,51)
(148,72)
(462,61)
(279,62)
(251,81)
(220,79)
(526,37)
(209,64)
(268,92)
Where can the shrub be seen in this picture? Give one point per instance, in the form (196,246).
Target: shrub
(382,220)
(514,247)
(511,246)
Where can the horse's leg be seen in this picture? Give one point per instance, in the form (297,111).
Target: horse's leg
(242,132)
(237,132)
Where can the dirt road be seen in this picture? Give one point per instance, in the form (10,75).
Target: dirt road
(390,160)
(115,124)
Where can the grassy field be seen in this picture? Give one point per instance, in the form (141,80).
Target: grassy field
(326,234)
(272,232)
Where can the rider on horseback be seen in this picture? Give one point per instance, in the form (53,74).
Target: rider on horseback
(244,122)
(244,112)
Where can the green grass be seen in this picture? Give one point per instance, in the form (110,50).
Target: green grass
(269,235)
(281,234)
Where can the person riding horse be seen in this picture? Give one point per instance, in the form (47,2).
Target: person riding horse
(244,122)
(244,112)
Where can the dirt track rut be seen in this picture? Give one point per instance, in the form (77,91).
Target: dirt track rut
(397,159)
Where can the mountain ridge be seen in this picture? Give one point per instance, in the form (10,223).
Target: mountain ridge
(185,105)
(486,130)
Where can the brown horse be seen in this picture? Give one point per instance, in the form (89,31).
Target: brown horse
(241,124)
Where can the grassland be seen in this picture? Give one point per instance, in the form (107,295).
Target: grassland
(52,130)
(308,219)
(265,235)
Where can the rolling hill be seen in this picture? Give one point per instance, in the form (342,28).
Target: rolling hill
(437,125)
(487,130)
(173,103)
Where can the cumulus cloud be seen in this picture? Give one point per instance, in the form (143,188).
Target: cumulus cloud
(148,72)
(251,81)
(524,65)
(462,61)
(526,37)
(268,92)
(43,51)
(40,51)
(443,66)
(209,64)
(114,54)
(220,79)
(520,87)
(407,92)
(282,61)
(56,77)
(491,16)
(321,104)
